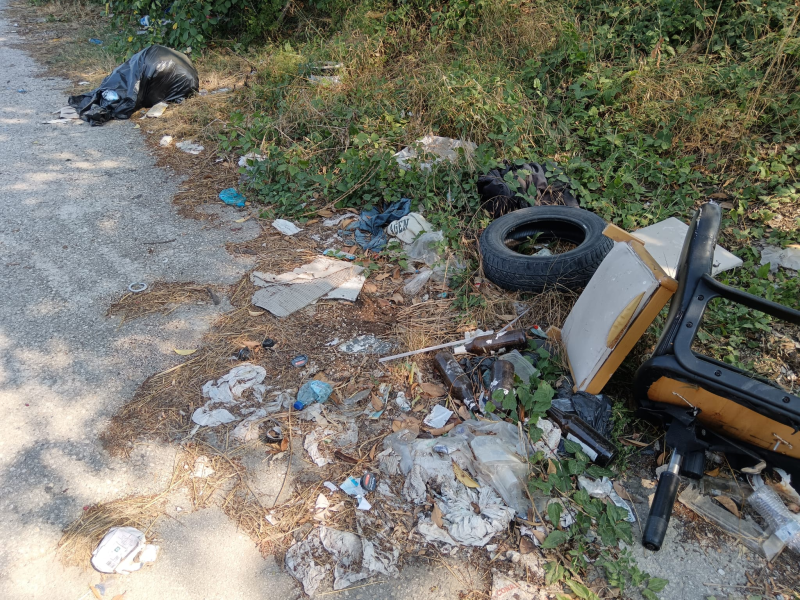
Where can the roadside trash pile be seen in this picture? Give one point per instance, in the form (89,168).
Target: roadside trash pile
(152,76)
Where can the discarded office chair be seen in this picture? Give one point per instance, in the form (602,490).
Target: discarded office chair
(707,404)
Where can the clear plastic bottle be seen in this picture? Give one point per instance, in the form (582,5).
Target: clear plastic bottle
(770,506)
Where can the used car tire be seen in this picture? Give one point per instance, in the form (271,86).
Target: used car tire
(571,270)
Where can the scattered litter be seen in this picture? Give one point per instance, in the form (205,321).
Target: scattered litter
(287,293)
(301,360)
(96,41)
(331,486)
(190,147)
(368,482)
(357,397)
(156,74)
(780,521)
(415,284)
(231,197)
(604,488)
(248,430)
(784,487)
(409,227)
(84,83)
(337,219)
(788,258)
(119,550)
(206,417)
(366,344)
(248,160)
(268,343)
(184,351)
(664,241)
(369,228)
(438,417)
(137,287)
(594,410)
(467,524)
(522,366)
(312,391)
(333,253)
(352,487)
(444,149)
(325,79)
(402,402)
(229,388)
(300,564)
(311,444)
(504,588)
(286,227)
(157,110)
(165,141)
(202,467)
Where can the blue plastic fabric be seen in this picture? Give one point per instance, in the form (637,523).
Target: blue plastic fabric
(312,391)
(232,197)
(368,230)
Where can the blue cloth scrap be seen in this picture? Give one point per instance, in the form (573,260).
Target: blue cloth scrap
(232,197)
(368,230)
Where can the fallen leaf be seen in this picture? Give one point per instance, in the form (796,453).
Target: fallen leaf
(344,225)
(120,596)
(475,507)
(370,288)
(398,298)
(415,301)
(436,515)
(661,458)
(338,455)
(325,213)
(551,467)
(96,593)
(464,413)
(541,536)
(433,390)
(383,276)
(397,425)
(312,221)
(526,545)
(727,205)
(396,275)
(464,477)
(243,220)
(256,313)
(384,303)
(621,491)
(442,430)
(372,452)
(284,444)
(185,352)
(506,317)
(713,472)
(729,504)
(377,403)
(721,195)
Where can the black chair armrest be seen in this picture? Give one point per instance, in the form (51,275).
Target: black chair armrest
(766,306)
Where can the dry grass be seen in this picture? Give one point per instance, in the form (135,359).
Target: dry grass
(162,297)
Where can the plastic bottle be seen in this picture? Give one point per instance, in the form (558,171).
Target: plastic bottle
(456,381)
(485,344)
(575,429)
(312,391)
(770,506)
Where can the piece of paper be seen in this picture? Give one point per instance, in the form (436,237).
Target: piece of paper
(438,417)
(286,227)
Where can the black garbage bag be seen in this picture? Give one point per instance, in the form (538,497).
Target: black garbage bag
(498,198)
(156,74)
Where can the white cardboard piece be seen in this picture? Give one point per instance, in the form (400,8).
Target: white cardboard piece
(664,241)
(621,278)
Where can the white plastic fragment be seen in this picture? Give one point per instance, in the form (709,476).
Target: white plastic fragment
(286,227)
(438,417)
(157,110)
(123,550)
(202,468)
(788,258)
(189,147)
(311,444)
(604,488)
(443,148)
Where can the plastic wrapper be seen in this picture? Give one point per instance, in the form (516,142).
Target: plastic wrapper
(416,283)
(156,74)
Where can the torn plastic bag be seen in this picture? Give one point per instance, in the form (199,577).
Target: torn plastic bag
(156,74)
(595,410)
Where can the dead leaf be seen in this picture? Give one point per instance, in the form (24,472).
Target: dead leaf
(464,477)
(713,472)
(661,458)
(324,212)
(541,536)
(526,545)
(726,205)
(398,298)
(185,352)
(433,390)
(344,225)
(338,455)
(415,301)
(243,220)
(475,507)
(442,430)
(621,491)
(372,452)
(284,444)
(120,596)
(719,195)
(383,276)
(256,313)
(396,275)
(551,467)
(436,515)
(377,403)
(729,504)
(370,288)
(384,303)
(312,221)
(464,413)
(506,317)
(96,593)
